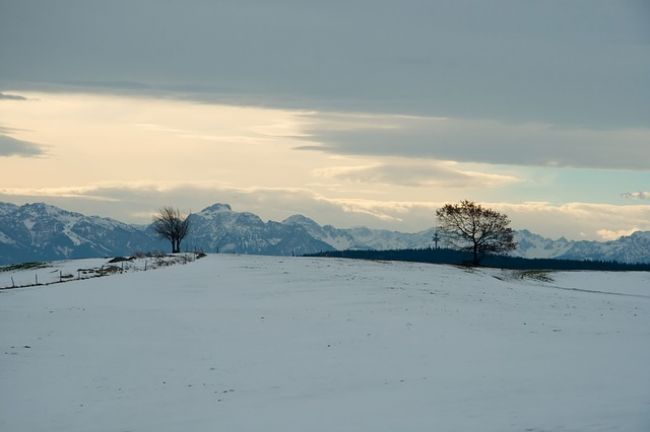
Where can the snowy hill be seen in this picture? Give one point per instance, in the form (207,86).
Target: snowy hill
(251,343)
(43,232)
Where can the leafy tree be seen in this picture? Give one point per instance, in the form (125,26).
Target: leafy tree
(171,225)
(469,226)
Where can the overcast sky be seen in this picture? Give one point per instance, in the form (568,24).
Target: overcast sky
(366,112)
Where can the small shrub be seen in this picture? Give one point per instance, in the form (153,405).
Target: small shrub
(108,270)
(538,275)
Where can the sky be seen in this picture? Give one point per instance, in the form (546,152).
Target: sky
(350,112)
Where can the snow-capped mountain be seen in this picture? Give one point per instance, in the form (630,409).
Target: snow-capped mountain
(634,248)
(361,238)
(630,249)
(35,232)
(220,229)
(43,232)
(531,245)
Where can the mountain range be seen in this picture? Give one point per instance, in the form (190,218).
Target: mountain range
(41,232)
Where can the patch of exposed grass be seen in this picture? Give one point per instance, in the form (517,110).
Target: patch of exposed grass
(535,275)
(538,275)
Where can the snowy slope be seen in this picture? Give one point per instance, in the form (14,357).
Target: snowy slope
(250,343)
(6,208)
(70,270)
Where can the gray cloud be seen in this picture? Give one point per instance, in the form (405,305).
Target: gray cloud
(14,147)
(7,96)
(636,195)
(583,62)
(483,141)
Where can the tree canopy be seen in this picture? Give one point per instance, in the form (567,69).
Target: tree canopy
(171,225)
(469,226)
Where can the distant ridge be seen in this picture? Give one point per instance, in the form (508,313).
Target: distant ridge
(42,232)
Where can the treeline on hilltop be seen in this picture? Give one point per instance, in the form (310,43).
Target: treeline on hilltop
(457,257)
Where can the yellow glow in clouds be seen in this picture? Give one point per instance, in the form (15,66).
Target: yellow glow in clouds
(90,139)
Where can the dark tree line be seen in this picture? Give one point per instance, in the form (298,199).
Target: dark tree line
(464,258)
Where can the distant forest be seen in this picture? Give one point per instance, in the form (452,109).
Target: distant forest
(456,257)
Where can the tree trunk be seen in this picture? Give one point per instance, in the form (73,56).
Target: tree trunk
(475,260)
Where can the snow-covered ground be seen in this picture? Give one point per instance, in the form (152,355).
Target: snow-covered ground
(67,270)
(248,343)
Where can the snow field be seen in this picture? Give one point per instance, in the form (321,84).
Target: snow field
(69,270)
(249,343)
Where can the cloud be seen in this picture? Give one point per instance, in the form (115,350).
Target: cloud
(14,147)
(416,174)
(6,96)
(608,235)
(592,220)
(636,195)
(478,140)
(81,192)
(470,59)
(126,200)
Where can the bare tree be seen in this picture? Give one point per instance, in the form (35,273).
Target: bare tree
(171,225)
(471,227)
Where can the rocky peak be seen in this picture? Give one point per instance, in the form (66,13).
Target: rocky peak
(217,208)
